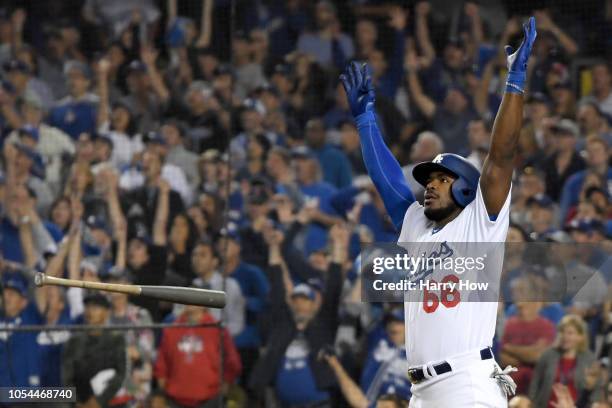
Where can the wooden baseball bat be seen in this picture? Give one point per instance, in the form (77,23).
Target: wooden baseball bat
(175,294)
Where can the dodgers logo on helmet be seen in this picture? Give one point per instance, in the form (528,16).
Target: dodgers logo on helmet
(464,187)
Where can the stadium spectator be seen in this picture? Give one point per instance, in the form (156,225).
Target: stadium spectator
(76,113)
(188,366)
(22,229)
(255,289)
(56,311)
(147,92)
(328,45)
(303,321)
(566,363)
(526,337)
(597,162)
(334,163)
(565,160)
(248,72)
(386,363)
(602,87)
(479,136)
(140,345)
(451,116)
(426,146)
(205,264)
(178,155)
(20,351)
(142,204)
(146,265)
(53,144)
(356,397)
(593,122)
(95,361)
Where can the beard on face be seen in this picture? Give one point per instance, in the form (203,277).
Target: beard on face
(438,214)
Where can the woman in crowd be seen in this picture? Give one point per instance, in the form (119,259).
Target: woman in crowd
(568,362)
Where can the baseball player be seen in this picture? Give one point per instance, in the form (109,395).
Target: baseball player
(448,346)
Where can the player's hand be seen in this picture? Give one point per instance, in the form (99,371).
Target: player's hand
(357,82)
(517,60)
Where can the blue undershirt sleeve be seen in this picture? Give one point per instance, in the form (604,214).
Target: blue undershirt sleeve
(384,170)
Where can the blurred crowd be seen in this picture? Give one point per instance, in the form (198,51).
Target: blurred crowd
(209,144)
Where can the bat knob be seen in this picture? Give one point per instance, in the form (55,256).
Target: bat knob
(39,279)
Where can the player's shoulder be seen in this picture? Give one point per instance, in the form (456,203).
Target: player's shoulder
(479,209)
(414,214)
(414,222)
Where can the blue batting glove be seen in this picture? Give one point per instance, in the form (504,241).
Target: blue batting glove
(517,60)
(357,82)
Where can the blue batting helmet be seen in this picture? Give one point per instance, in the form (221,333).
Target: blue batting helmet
(464,188)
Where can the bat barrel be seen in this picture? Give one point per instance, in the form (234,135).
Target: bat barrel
(188,296)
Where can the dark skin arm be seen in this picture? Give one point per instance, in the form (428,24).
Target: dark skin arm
(499,164)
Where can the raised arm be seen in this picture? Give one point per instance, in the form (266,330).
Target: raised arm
(76,230)
(472,11)
(425,104)
(172,12)
(205,24)
(499,163)
(18,19)
(421,11)
(161,213)
(350,390)
(382,166)
(102,69)
(148,55)
(546,23)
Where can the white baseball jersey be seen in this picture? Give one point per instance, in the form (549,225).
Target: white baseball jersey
(433,334)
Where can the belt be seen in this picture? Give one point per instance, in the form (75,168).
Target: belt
(418,375)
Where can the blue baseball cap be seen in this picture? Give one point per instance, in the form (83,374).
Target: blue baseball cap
(15,281)
(175,36)
(541,200)
(38,167)
(155,137)
(303,290)
(96,299)
(395,315)
(137,66)
(96,222)
(231,231)
(587,226)
(79,66)
(16,65)
(302,152)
